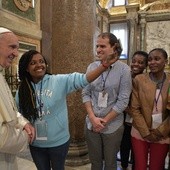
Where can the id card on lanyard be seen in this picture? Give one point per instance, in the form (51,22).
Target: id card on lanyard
(103,95)
(102,99)
(41,130)
(40,124)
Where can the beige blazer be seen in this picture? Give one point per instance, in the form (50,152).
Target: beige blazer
(142,103)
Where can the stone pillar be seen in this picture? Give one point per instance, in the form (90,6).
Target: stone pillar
(72,41)
(46,27)
(143,30)
(132,18)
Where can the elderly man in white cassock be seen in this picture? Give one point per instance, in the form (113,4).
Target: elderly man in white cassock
(15,131)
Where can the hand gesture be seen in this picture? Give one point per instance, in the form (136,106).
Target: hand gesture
(154,136)
(30,131)
(98,124)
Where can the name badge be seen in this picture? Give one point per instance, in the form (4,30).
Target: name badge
(41,130)
(156,120)
(102,99)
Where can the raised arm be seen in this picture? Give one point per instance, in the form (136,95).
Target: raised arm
(92,75)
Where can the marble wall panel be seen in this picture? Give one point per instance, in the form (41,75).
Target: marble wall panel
(158,36)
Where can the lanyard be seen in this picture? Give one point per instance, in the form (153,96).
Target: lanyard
(39,99)
(156,99)
(104,80)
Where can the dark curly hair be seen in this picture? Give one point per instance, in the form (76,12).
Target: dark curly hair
(142,53)
(26,93)
(113,41)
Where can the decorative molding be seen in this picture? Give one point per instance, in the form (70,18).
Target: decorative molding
(117,10)
(156,6)
(24,5)
(27,46)
(132,14)
(26,9)
(103,3)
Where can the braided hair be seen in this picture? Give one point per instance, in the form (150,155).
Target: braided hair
(26,92)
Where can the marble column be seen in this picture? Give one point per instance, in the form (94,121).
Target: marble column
(143,30)
(72,49)
(132,18)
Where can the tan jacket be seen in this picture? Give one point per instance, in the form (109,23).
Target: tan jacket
(12,137)
(142,103)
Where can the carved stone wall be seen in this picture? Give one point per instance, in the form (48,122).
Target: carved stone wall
(157,34)
(155,21)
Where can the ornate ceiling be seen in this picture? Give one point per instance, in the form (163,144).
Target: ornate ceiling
(117,10)
(103,3)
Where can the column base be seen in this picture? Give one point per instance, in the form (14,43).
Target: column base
(77,154)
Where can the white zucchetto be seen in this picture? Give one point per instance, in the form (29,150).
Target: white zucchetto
(4,30)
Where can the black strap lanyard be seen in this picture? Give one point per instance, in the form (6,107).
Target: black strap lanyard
(156,99)
(39,99)
(104,80)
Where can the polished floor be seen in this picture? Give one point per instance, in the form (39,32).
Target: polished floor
(25,163)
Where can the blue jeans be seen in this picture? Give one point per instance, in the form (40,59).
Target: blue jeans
(47,158)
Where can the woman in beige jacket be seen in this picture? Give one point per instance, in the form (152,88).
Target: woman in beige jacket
(151,128)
